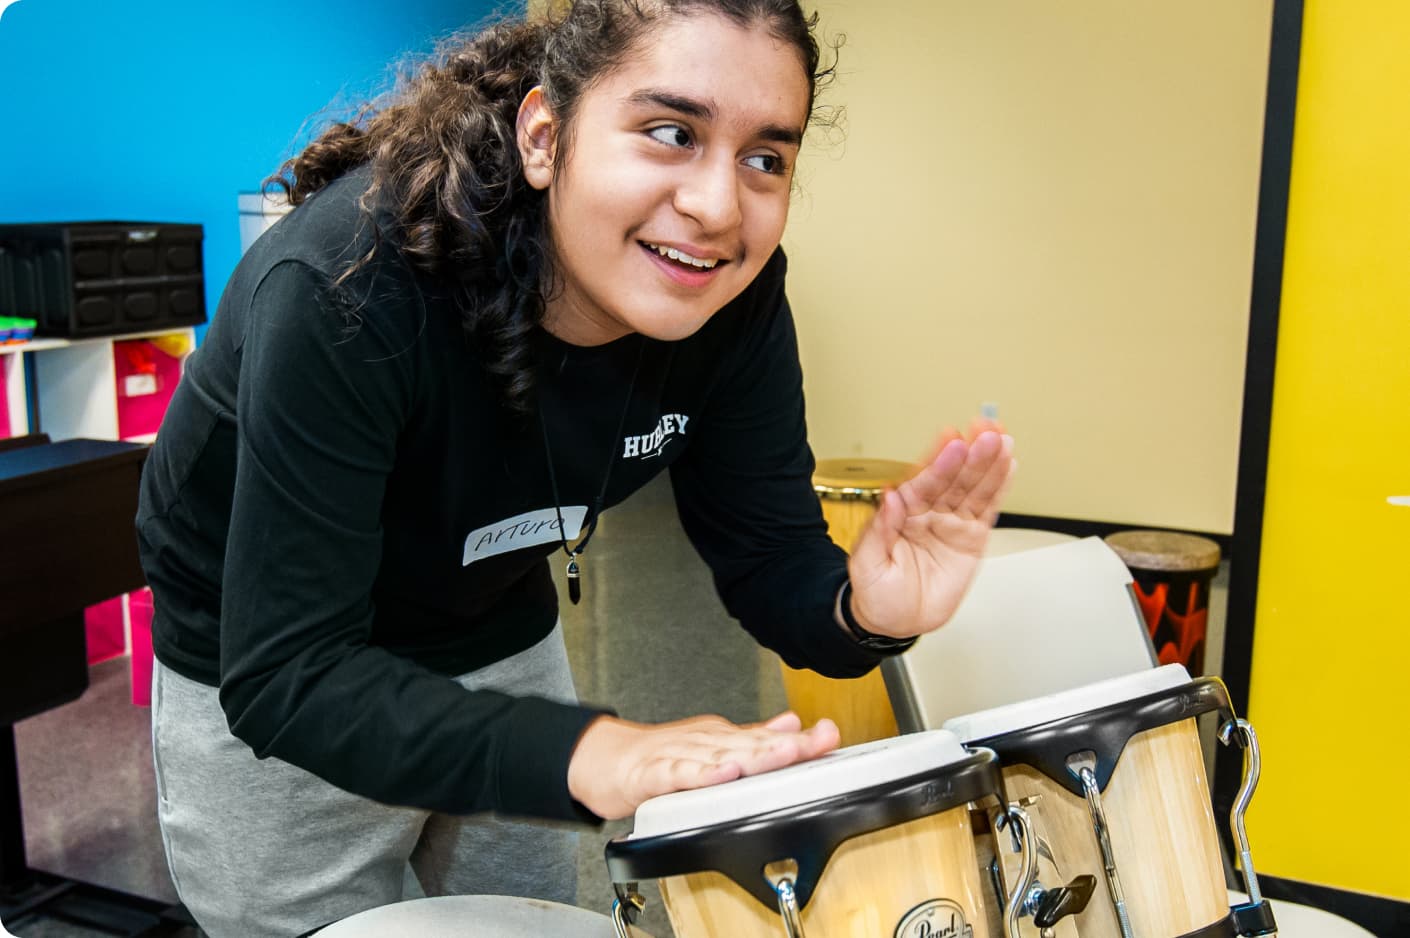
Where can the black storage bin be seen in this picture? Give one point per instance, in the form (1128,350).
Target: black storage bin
(102,278)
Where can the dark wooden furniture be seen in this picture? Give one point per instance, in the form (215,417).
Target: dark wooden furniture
(66,542)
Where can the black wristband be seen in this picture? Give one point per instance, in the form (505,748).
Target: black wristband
(882,644)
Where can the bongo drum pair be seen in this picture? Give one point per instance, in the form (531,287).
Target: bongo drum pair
(1079,815)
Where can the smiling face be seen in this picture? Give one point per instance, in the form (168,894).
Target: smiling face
(675,186)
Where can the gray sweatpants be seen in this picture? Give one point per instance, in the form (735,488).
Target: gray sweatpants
(263,848)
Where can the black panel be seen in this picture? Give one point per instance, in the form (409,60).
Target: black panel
(1265,298)
(1382,917)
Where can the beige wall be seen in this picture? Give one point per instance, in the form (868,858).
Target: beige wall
(1047,206)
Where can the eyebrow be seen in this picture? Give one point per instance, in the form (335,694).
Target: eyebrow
(705,111)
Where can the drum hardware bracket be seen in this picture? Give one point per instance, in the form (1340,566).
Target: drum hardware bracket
(1056,904)
(788,908)
(1028,863)
(1256,916)
(625,908)
(1049,906)
(1082,765)
(1046,906)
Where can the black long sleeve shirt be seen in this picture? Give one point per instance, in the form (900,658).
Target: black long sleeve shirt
(336,516)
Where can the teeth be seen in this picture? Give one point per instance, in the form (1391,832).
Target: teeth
(681,256)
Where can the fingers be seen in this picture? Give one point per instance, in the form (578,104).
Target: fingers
(697,758)
(945,484)
(990,484)
(787,721)
(873,549)
(947,436)
(923,489)
(617,765)
(981,424)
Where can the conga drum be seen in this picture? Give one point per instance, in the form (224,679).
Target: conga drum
(849,490)
(869,840)
(472,917)
(1112,778)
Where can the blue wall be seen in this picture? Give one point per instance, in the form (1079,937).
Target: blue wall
(163,110)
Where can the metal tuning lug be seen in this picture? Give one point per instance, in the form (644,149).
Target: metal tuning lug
(1063,901)
(1254,917)
(1028,865)
(625,909)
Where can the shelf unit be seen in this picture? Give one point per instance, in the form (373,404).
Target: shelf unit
(86,388)
(68,388)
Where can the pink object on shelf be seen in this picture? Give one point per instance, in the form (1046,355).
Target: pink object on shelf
(140,607)
(102,626)
(146,379)
(6,363)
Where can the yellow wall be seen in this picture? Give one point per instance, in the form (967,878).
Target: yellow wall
(1333,633)
(1049,206)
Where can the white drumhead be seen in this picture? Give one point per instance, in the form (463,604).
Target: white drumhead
(473,917)
(837,773)
(1026,713)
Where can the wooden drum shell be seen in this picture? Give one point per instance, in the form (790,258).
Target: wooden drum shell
(1162,831)
(869,885)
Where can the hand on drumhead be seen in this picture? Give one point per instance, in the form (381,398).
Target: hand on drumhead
(911,566)
(619,764)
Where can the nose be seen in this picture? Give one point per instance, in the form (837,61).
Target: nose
(709,194)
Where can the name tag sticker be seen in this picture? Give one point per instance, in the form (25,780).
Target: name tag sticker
(527,530)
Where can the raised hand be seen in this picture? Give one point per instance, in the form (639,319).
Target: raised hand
(619,764)
(912,565)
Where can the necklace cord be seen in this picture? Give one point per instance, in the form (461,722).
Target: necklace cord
(573,552)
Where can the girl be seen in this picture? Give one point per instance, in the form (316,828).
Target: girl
(543,274)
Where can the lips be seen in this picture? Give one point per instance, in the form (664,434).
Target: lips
(684,270)
(681,257)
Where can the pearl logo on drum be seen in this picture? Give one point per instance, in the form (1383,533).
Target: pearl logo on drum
(938,918)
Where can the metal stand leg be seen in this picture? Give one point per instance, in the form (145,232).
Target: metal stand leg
(14,867)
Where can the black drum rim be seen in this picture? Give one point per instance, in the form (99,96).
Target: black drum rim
(1104,731)
(808,833)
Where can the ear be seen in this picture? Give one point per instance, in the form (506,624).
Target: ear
(536,132)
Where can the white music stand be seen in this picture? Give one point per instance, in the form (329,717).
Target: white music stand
(1035,622)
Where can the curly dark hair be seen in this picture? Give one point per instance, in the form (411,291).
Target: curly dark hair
(447,182)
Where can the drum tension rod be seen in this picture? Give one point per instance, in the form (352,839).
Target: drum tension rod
(625,909)
(788,908)
(1254,917)
(1083,766)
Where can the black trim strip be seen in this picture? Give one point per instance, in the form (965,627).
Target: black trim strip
(1224,928)
(808,833)
(1280,109)
(1381,916)
(1104,731)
